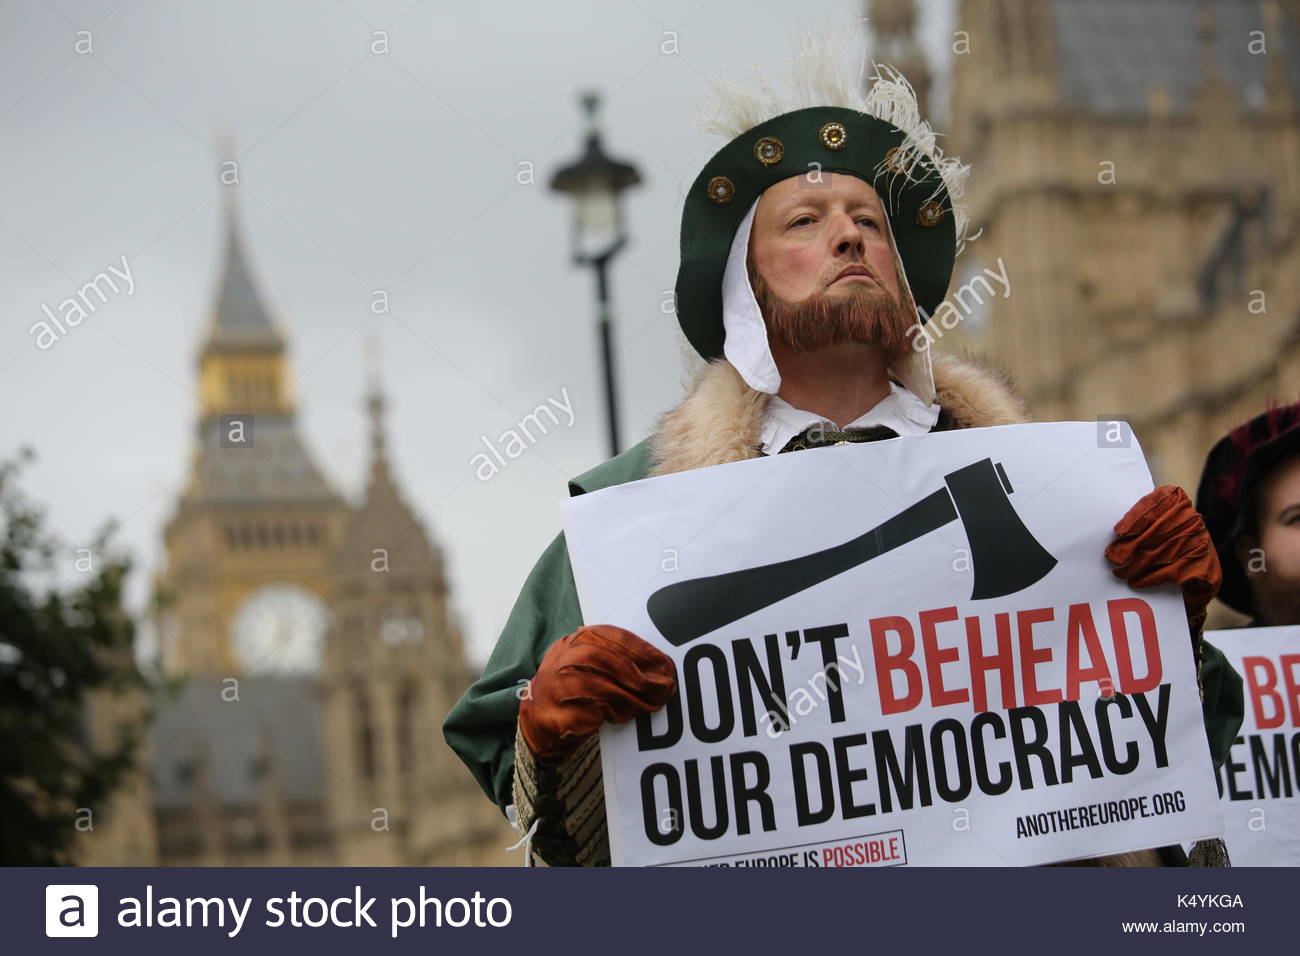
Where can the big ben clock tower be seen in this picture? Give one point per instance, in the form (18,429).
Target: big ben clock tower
(324,748)
(246,588)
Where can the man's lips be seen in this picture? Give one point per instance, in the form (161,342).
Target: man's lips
(854,272)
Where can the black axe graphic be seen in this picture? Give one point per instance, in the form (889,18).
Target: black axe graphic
(1005,556)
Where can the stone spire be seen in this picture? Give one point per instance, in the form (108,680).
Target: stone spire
(1213,91)
(240,321)
(248,446)
(381,479)
(383,519)
(1281,97)
(387,570)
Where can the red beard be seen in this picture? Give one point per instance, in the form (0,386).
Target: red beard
(870,316)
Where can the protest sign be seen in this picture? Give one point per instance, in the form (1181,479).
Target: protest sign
(1259,783)
(901,652)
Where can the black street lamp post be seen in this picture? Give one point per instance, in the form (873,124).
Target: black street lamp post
(596,183)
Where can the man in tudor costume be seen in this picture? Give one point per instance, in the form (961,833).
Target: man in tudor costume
(814,245)
(1250,497)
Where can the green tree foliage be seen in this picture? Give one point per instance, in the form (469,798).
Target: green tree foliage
(59,649)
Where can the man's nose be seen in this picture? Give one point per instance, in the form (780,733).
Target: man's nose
(847,236)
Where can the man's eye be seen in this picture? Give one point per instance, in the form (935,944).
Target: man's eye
(867,220)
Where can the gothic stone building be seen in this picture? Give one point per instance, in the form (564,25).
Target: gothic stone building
(312,642)
(1136,168)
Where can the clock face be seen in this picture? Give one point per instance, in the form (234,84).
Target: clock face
(280,629)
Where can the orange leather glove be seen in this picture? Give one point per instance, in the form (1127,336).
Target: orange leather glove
(596,674)
(1163,540)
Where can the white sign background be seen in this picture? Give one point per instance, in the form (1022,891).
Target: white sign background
(628,541)
(1262,829)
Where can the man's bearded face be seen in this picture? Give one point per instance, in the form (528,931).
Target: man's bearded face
(823,269)
(1274,575)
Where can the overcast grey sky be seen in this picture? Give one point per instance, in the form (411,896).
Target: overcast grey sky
(358,171)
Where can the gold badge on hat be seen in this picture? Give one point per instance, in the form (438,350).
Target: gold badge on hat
(929,213)
(834,135)
(769,150)
(721,189)
(895,160)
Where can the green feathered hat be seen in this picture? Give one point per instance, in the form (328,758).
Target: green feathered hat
(885,143)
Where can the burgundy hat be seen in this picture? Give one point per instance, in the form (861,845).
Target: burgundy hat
(1226,496)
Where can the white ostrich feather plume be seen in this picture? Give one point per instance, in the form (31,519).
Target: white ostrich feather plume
(818,78)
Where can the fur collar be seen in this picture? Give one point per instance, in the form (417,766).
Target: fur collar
(719,420)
